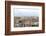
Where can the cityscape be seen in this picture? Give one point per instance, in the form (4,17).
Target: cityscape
(26,17)
(26,21)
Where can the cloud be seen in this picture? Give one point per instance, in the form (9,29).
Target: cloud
(26,12)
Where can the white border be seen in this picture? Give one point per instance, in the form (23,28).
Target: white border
(25,28)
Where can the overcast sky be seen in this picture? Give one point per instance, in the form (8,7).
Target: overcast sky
(26,12)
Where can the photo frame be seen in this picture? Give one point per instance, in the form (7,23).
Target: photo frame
(24,17)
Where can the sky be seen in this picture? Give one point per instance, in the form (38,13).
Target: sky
(26,12)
